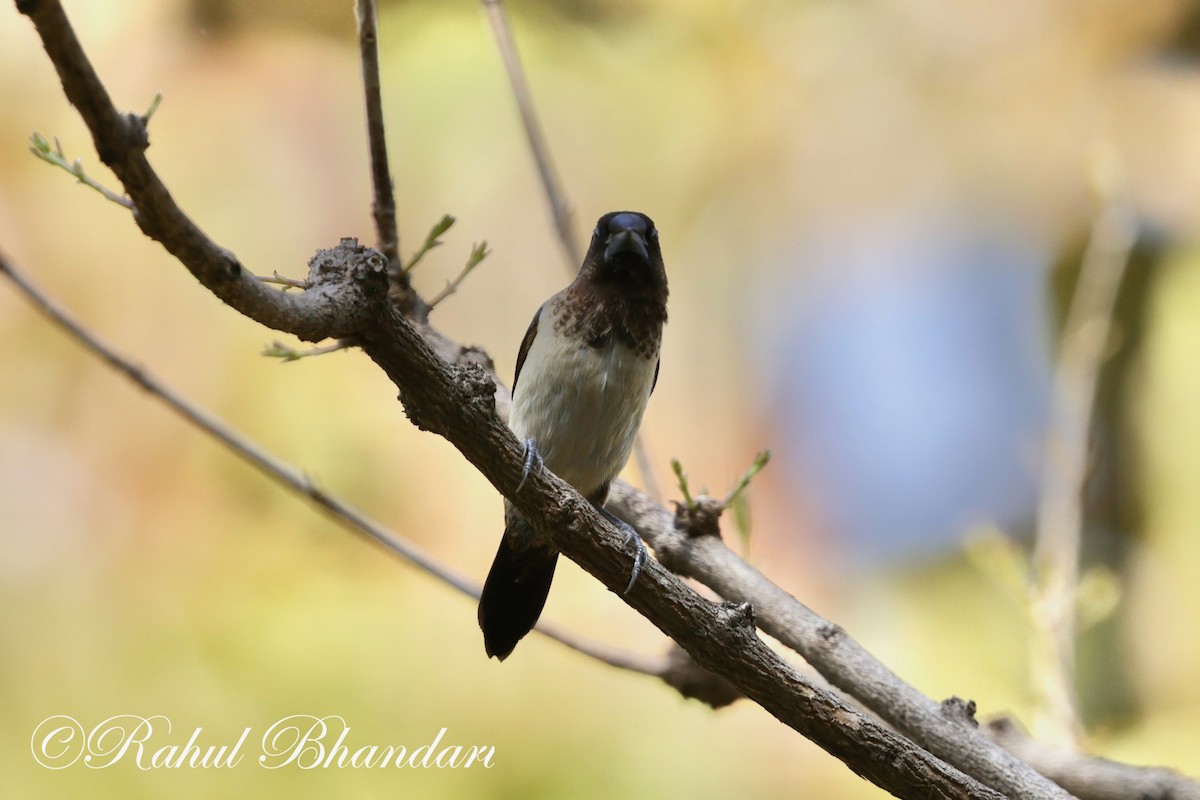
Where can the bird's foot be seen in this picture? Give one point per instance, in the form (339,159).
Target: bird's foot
(631,538)
(532,458)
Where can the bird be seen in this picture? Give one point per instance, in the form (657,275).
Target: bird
(585,372)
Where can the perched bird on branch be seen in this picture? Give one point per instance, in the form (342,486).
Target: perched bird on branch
(585,371)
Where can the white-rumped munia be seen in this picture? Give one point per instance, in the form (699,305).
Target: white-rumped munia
(585,372)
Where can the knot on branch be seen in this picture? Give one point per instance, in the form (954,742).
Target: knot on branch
(137,133)
(350,281)
(959,710)
(830,631)
(683,674)
(737,615)
(700,517)
(349,263)
(479,387)
(473,354)
(131,136)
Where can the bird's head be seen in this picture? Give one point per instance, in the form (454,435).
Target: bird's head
(625,251)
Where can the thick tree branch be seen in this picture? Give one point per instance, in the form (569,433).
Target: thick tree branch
(827,647)
(448,389)
(458,401)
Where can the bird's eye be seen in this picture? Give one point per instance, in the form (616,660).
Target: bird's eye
(653,234)
(596,233)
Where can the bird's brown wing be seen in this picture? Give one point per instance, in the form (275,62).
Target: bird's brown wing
(526,343)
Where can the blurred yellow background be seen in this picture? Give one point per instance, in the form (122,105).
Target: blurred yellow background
(860,206)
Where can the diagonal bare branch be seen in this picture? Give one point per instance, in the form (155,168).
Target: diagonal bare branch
(826,646)
(458,401)
(449,390)
(297,481)
(675,669)
(271,466)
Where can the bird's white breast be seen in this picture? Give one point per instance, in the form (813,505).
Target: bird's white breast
(582,405)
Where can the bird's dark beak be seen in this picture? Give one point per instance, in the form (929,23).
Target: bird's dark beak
(627,241)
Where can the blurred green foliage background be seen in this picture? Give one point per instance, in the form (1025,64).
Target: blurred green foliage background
(145,570)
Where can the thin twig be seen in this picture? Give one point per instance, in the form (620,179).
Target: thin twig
(432,239)
(556,196)
(645,465)
(274,468)
(151,109)
(761,459)
(296,480)
(1085,337)
(55,155)
(681,480)
(285,282)
(478,253)
(384,206)
(612,656)
(281,351)
(551,186)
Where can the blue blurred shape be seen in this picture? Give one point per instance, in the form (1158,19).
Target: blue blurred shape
(908,377)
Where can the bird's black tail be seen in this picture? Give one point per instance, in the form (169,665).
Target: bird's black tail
(515,590)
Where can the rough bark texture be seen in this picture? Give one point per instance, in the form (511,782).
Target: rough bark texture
(452,391)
